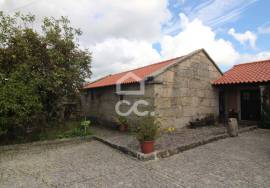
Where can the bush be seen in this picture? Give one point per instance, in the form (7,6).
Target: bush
(205,121)
(82,130)
(146,128)
(121,120)
(38,71)
(122,123)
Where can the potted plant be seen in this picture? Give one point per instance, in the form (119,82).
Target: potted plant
(147,130)
(122,123)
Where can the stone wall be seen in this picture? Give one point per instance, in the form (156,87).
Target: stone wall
(180,94)
(100,103)
(186,92)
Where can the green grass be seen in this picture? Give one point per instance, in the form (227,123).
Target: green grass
(53,131)
(67,130)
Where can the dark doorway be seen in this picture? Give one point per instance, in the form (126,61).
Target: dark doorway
(250,105)
(221,105)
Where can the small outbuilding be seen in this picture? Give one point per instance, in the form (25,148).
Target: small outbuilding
(177,91)
(242,90)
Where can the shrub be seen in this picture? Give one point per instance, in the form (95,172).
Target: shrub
(85,124)
(121,120)
(39,69)
(83,129)
(146,128)
(205,121)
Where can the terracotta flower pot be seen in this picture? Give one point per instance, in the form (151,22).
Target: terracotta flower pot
(147,146)
(123,128)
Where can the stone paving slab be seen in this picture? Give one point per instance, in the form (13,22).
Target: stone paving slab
(60,165)
(243,161)
(234,162)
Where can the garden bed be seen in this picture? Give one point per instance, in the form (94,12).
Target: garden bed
(167,144)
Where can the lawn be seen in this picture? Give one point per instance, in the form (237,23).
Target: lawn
(67,130)
(53,131)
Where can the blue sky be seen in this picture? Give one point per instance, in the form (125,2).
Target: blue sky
(128,34)
(254,15)
(242,16)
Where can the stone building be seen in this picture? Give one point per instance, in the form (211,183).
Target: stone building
(178,90)
(243,89)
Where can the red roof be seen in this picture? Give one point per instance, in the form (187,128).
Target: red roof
(141,73)
(253,72)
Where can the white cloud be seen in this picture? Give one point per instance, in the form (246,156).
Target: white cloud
(101,19)
(264,29)
(248,37)
(120,33)
(195,35)
(254,57)
(211,12)
(181,1)
(116,55)
(216,12)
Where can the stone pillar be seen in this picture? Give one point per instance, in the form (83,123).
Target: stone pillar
(232,127)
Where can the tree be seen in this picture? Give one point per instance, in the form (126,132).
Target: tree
(39,69)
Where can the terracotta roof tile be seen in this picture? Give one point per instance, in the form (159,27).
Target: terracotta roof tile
(141,73)
(253,72)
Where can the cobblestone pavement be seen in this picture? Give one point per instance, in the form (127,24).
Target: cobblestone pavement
(233,162)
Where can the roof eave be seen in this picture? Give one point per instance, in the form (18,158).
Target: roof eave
(240,83)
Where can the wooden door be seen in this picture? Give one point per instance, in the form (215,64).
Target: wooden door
(250,105)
